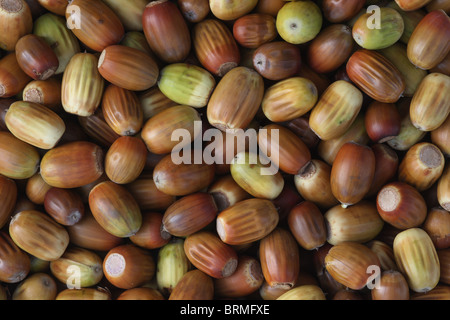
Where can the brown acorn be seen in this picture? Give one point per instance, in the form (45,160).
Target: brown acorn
(72,165)
(392,286)
(194,10)
(386,165)
(352,173)
(209,254)
(385,83)
(336,11)
(36,189)
(277,60)
(97,129)
(44,92)
(443,188)
(149,234)
(141,293)
(166,31)
(437,226)
(441,137)
(94,23)
(382,121)
(9,196)
(55,6)
(148,196)
(300,126)
(226,192)
(15,21)
(128,68)
(254,29)
(37,286)
(12,78)
(385,254)
(115,209)
(64,205)
(128,266)
(38,234)
(194,285)
(215,47)
(154,101)
(269,6)
(92,294)
(15,265)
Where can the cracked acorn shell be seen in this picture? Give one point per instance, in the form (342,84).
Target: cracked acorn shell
(417,259)
(38,234)
(35,124)
(15,263)
(115,209)
(15,22)
(246,221)
(94,23)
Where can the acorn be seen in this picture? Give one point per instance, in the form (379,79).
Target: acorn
(82,85)
(430,106)
(443,188)
(149,234)
(411,5)
(194,285)
(231,10)
(215,47)
(115,209)
(56,6)
(64,205)
(352,173)
(277,60)
(233,112)
(289,99)
(357,223)
(37,286)
(97,129)
(269,6)
(39,235)
(385,254)
(385,84)
(137,40)
(440,292)
(141,293)
(247,221)
(16,21)
(429,42)
(182,178)
(89,234)
(186,84)
(321,58)
(441,137)
(166,31)
(12,77)
(444,260)
(129,12)
(53,29)
(382,121)
(417,259)
(95,24)
(300,126)
(36,189)
(307,225)
(226,192)
(171,265)
(72,165)
(392,286)
(154,101)
(35,124)
(350,263)
(194,10)
(336,13)
(84,294)
(211,255)
(9,194)
(280,258)
(128,266)
(128,68)
(254,29)
(122,110)
(19,160)
(345,100)
(44,92)
(15,265)
(148,196)
(86,263)
(305,292)
(421,166)
(313,184)
(437,226)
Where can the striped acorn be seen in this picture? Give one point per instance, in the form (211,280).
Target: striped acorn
(254,29)
(417,259)
(38,234)
(186,84)
(82,85)
(35,124)
(430,105)
(336,110)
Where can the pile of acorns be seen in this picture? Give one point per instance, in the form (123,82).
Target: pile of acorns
(353,96)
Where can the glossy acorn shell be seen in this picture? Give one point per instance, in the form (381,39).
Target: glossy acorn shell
(386,166)
(382,121)
(64,205)
(125,159)
(55,6)
(72,165)
(417,259)
(95,24)
(35,124)
(352,173)
(148,196)
(231,10)
(226,192)
(12,78)
(129,266)
(341,11)
(392,286)
(194,285)
(215,47)
(149,234)
(166,31)
(97,129)
(211,255)
(321,56)
(300,126)
(277,60)
(430,106)
(385,254)
(443,188)
(128,68)
(289,99)
(37,286)
(234,112)
(19,160)
(16,21)
(39,235)
(16,264)
(437,226)
(412,5)
(429,42)
(385,83)
(336,110)
(441,137)
(254,29)
(45,92)
(194,10)
(246,221)
(9,194)
(189,214)
(36,188)
(115,209)
(348,263)
(82,85)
